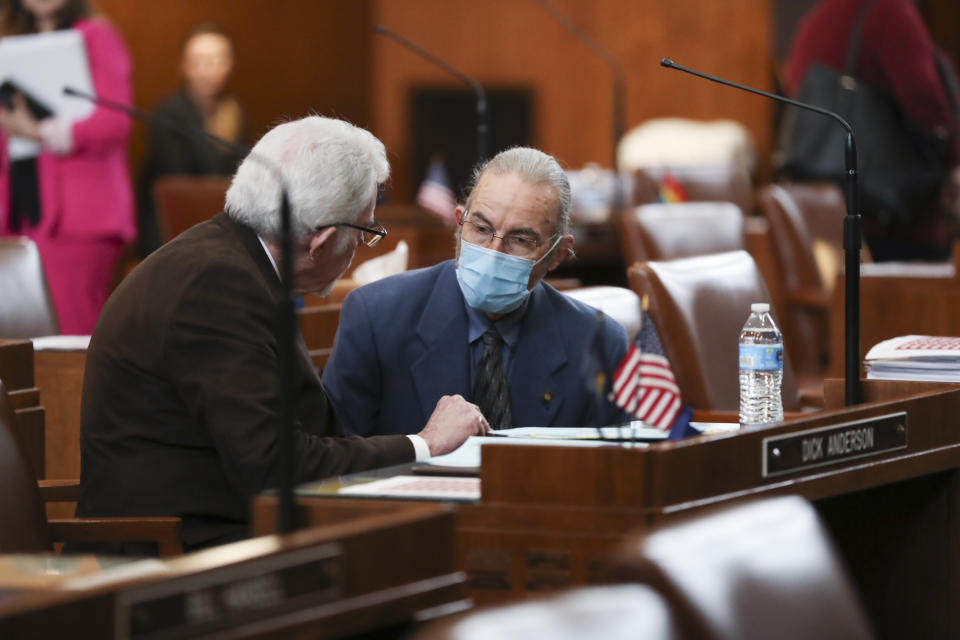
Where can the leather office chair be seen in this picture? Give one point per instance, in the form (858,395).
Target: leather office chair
(806,228)
(752,571)
(619,303)
(24,527)
(699,306)
(183,201)
(618,612)
(26,310)
(701,183)
(667,231)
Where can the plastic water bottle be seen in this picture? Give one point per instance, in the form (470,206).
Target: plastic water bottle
(761,368)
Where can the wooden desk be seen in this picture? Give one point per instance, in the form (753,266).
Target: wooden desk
(371,569)
(59,377)
(548,514)
(17,374)
(897,299)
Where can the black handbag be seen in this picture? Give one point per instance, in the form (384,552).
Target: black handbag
(901,166)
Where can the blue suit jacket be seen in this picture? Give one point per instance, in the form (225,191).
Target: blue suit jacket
(402,344)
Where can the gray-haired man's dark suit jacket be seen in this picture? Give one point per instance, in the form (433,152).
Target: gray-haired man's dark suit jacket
(180,396)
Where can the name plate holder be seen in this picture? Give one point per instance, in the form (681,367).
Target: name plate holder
(823,446)
(225,597)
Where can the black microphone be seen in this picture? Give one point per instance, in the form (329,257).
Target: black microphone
(619,86)
(476,86)
(851,233)
(286,521)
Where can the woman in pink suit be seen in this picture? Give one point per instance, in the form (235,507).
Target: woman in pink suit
(75,198)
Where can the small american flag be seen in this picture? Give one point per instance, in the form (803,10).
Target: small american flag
(435,194)
(643,384)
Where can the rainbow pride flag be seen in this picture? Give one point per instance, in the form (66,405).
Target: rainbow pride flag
(671,191)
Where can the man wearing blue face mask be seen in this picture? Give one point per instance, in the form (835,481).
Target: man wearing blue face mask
(484,325)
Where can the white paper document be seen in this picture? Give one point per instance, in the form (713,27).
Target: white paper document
(42,65)
(921,358)
(468,455)
(437,487)
(61,343)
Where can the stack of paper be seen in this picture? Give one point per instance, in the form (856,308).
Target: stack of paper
(927,358)
(438,488)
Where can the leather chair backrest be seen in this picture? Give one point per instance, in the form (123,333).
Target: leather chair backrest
(802,217)
(701,183)
(23,522)
(620,303)
(184,201)
(752,571)
(806,228)
(678,230)
(26,310)
(699,306)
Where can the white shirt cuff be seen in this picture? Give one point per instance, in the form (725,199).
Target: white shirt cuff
(56,135)
(420,446)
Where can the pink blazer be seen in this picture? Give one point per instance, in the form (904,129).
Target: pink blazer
(87,193)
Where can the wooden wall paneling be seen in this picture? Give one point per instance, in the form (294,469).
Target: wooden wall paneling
(292,56)
(507,43)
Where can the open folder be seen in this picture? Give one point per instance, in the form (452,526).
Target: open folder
(40,66)
(468,455)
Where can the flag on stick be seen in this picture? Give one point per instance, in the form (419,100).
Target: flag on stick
(435,194)
(643,384)
(671,191)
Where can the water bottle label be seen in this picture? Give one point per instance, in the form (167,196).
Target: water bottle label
(762,357)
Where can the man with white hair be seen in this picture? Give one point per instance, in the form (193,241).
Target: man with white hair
(484,326)
(180,411)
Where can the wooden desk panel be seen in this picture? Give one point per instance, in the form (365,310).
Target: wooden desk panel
(385,567)
(548,514)
(896,300)
(60,380)
(17,373)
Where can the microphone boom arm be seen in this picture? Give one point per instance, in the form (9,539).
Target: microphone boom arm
(852,233)
(473,84)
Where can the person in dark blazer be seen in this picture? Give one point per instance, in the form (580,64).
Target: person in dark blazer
(405,341)
(203,103)
(180,398)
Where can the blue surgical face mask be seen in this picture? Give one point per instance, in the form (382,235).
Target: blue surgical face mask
(491,281)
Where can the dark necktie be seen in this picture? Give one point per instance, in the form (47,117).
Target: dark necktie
(490,391)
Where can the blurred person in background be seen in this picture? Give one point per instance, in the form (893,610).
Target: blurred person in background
(202,103)
(74,199)
(898,58)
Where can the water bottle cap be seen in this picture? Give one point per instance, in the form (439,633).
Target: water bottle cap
(760,307)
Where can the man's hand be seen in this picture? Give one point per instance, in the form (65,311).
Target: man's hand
(453,421)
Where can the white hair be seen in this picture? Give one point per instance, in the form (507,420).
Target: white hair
(536,168)
(331,170)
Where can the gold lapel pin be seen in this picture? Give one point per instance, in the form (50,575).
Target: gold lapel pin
(547,396)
